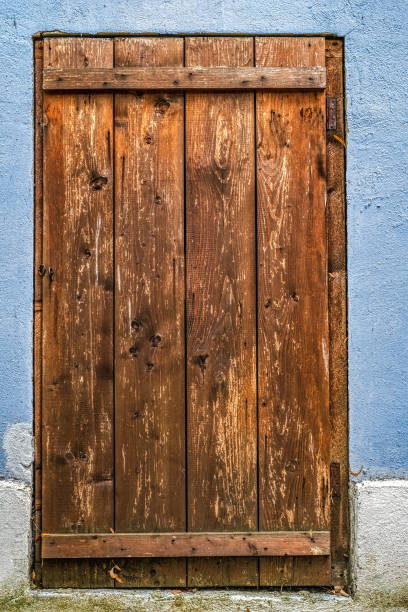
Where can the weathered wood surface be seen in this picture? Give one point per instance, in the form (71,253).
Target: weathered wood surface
(192,77)
(221,339)
(37,336)
(149,300)
(293,343)
(186,544)
(296,352)
(77,374)
(336,220)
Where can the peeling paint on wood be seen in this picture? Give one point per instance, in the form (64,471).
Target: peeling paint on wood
(242,289)
(149,306)
(292,314)
(221,325)
(77,382)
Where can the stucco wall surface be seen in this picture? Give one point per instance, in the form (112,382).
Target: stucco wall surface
(377,184)
(15,513)
(380,537)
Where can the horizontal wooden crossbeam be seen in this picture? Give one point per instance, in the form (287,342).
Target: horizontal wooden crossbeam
(184,78)
(262,544)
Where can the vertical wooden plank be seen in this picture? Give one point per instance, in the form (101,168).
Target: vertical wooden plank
(37,328)
(336,219)
(77,378)
(149,307)
(149,573)
(223,572)
(293,366)
(221,337)
(77,573)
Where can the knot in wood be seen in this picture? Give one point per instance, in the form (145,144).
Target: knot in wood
(98,182)
(161,106)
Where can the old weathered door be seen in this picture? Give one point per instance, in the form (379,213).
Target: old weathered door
(186,435)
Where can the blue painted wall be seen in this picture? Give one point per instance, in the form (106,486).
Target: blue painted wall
(377,187)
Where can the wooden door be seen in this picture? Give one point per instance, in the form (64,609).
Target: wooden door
(187,331)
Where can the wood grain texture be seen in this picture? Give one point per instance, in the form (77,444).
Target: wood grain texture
(221,349)
(77,378)
(298,436)
(222,572)
(336,220)
(77,573)
(161,572)
(336,210)
(153,78)
(37,327)
(293,343)
(307,543)
(149,304)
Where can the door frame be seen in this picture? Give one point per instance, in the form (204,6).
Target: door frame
(337,299)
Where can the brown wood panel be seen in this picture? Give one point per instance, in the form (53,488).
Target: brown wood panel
(37,327)
(295,571)
(223,572)
(186,78)
(149,303)
(221,338)
(77,573)
(147,573)
(267,544)
(336,220)
(291,180)
(293,366)
(77,376)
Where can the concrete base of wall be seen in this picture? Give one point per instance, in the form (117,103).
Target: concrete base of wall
(201,601)
(379,566)
(166,601)
(15,532)
(379,536)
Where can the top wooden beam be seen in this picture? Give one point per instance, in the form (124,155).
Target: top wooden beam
(185,78)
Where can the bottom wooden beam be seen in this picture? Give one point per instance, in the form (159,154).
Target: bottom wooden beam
(265,544)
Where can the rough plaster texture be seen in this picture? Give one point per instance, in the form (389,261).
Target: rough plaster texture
(15,512)
(380,536)
(377,184)
(18,449)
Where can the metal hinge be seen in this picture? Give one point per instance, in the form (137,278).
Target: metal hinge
(42,271)
(331,113)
